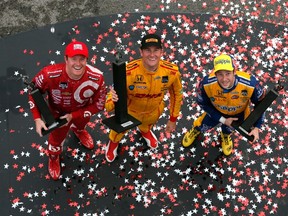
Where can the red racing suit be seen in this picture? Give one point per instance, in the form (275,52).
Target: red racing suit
(82,98)
(146,91)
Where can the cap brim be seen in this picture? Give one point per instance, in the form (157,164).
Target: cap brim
(150,45)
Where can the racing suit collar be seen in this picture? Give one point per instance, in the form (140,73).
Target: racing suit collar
(149,71)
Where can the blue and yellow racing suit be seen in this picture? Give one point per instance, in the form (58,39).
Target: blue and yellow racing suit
(234,102)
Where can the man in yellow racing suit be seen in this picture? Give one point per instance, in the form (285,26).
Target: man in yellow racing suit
(225,96)
(148,80)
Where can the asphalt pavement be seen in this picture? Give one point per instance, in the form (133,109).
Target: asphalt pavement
(18,16)
(172,180)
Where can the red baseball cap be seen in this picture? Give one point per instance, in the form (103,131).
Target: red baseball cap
(76,48)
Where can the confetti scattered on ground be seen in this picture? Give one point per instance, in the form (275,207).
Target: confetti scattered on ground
(171,180)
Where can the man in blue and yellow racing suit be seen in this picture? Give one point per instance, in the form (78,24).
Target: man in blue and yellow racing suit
(148,80)
(225,96)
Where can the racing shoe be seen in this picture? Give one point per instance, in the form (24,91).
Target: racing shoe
(85,138)
(226,143)
(111,151)
(190,137)
(150,139)
(54,166)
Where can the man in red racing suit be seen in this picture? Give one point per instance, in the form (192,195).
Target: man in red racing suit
(75,91)
(148,80)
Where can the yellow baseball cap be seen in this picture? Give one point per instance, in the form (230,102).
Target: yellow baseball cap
(223,62)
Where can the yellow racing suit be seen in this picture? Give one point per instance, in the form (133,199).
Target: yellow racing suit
(145,94)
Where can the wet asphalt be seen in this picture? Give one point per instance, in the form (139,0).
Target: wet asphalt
(18,16)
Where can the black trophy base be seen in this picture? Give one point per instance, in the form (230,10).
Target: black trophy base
(58,123)
(121,127)
(245,127)
(242,131)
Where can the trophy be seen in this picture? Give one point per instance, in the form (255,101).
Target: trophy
(121,120)
(47,116)
(244,128)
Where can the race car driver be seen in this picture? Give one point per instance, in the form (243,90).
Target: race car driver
(148,80)
(225,95)
(75,91)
